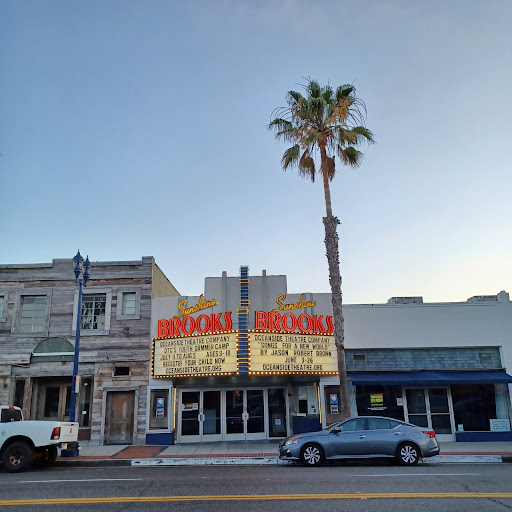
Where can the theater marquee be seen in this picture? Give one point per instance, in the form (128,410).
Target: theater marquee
(213,354)
(272,353)
(282,342)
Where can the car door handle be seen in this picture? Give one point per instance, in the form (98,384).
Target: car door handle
(362,437)
(398,433)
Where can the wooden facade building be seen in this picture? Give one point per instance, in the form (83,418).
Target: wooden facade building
(38,314)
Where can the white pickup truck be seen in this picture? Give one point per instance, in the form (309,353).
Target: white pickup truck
(23,442)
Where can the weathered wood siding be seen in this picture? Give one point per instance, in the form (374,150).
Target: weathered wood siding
(126,344)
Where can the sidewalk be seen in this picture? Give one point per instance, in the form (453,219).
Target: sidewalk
(255,452)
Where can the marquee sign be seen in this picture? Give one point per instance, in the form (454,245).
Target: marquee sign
(285,353)
(300,304)
(282,342)
(214,354)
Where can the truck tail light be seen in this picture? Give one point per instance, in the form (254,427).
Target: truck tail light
(431,433)
(55,433)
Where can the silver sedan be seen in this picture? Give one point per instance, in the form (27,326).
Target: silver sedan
(362,437)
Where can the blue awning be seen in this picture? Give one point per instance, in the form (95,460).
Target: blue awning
(429,378)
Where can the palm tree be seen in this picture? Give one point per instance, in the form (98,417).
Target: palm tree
(329,122)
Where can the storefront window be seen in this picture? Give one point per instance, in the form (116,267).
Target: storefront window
(306,400)
(158,418)
(380,401)
(473,406)
(304,409)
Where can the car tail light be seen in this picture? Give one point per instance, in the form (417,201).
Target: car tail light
(55,433)
(431,433)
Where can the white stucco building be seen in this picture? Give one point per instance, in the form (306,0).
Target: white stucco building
(248,360)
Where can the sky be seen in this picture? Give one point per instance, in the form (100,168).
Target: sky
(132,129)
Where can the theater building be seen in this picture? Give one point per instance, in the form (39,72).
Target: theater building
(246,360)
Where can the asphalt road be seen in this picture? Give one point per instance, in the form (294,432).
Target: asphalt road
(348,487)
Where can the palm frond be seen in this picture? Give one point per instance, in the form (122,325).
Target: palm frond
(344,91)
(279,124)
(364,135)
(285,130)
(294,98)
(327,94)
(350,156)
(357,111)
(353,136)
(314,89)
(280,112)
(311,139)
(307,166)
(290,157)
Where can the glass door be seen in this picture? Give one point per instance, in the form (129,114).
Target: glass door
(245,414)
(255,416)
(235,414)
(200,416)
(440,416)
(211,412)
(189,420)
(417,407)
(430,408)
(231,414)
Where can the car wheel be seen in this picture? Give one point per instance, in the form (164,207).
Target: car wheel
(408,454)
(312,455)
(48,455)
(17,457)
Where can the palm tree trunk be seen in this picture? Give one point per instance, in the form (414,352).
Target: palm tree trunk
(332,252)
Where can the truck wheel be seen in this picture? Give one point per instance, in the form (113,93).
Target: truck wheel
(17,457)
(48,455)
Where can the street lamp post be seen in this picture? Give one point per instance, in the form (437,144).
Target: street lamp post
(82,273)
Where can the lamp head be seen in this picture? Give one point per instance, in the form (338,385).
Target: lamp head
(87,270)
(77,264)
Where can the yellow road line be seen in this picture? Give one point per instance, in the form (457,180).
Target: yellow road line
(257,497)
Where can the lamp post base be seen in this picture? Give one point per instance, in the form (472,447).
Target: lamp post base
(72,450)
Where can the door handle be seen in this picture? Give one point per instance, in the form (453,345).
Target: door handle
(398,433)
(362,437)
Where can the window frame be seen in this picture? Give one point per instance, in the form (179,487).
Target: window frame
(108,310)
(3,313)
(170,408)
(31,292)
(119,308)
(120,376)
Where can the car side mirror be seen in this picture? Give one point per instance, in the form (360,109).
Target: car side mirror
(336,430)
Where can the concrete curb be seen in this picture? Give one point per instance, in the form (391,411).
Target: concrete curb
(89,463)
(209,461)
(258,461)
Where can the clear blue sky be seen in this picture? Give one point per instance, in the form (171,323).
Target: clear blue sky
(133,128)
